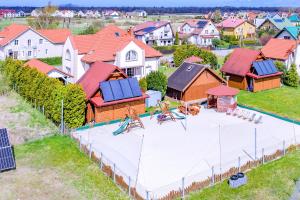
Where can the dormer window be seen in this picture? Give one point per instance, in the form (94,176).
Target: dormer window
(131,55)
(189,68)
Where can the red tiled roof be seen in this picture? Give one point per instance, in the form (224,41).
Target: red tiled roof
(104,45)
(43,67)
(11,32)
(240,61)
(99,102)
(98,72)
(222,90)
(55,35)
(194,59)
(278,48)
(231,23)
(265,76)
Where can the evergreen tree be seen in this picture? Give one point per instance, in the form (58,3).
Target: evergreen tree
(292,77)
(176,42)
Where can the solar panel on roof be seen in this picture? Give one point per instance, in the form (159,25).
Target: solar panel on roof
(201,24)
(7,160)
(265,67)
(126,88)
(149,29)
(106,91)
(116,89)
(4,141)
(135,88)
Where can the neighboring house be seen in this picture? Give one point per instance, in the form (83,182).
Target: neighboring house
(158,33)
(275,24)
(199,32)
(289,33)
(81,14)
(237,27)
(50,71)
(295,19)
(112,45)
(287,51)
(111,14)
(24,43)
(35,13)
(137,13)
(191,81)
(109,93)
(8,13)
(246,69)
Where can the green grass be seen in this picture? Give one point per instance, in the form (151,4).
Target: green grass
(283,101)
(275,180)
(54,61)
(61,154)
(167,70)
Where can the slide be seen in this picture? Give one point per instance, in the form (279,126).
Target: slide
(122,128)
(178,116)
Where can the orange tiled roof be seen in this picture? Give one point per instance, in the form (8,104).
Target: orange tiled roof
(43,67)
(55,35)
(104,45)
(278,48)
(9,33)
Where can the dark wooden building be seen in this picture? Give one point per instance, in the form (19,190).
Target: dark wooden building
(191,81)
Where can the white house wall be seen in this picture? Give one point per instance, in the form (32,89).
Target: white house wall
(284,34)
(45,50)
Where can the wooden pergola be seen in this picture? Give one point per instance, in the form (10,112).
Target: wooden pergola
(222,98)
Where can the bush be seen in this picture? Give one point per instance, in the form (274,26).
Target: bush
(184,51)
(156,80)
(292,77)
(282,68)
(55,61)
(41,90)
(176,42)
(89,30)
(143,84)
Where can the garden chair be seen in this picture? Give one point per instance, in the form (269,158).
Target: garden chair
(258,120)
(252,117)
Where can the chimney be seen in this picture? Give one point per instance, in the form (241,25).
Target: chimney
(130,31)
(227,80)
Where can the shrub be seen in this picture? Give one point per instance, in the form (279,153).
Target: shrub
(176,42)
(184,51)
(292,77)
(143,84)
(282,68)
(89,30)
(156,80)
(41,90)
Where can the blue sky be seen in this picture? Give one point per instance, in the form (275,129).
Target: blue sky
(198,3)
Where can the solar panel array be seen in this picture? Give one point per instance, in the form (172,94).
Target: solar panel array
(265,67)
(7,160)
(201,24)
(120,89)
(149,29)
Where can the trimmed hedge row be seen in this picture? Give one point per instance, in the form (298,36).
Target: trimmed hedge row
(41,90)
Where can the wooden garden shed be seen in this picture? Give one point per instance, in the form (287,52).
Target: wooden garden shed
(191,81)
(110,92)
(248,69)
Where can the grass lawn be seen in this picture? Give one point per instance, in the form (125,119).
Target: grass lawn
(54,168)
(282,101)
(273,181)
(168,71)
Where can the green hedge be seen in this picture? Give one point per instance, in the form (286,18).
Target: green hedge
(41,90)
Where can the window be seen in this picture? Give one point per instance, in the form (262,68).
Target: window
(189,68)
(206,31)
(287,37)
(29,53)
(46,51)
(16,42)
(68,70)
(68,55)
(131,55)
(130,72)
(29,43)
(41,41)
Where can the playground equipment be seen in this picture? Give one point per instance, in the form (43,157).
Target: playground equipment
(166,113)
(132,120)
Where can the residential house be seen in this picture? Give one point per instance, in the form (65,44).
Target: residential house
(7,13)
(237,27)
(109,93)
(158,33)
(35,13)
(274,24)
(247,69)
(289,33)
(24,43)
(111,45)
(50,71)
(111,14)
(81,14)
(137,13)
(286,51)
(191,81)
(199,32)
(295,19)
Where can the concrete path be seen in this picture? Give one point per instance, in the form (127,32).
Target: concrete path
(296,194)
